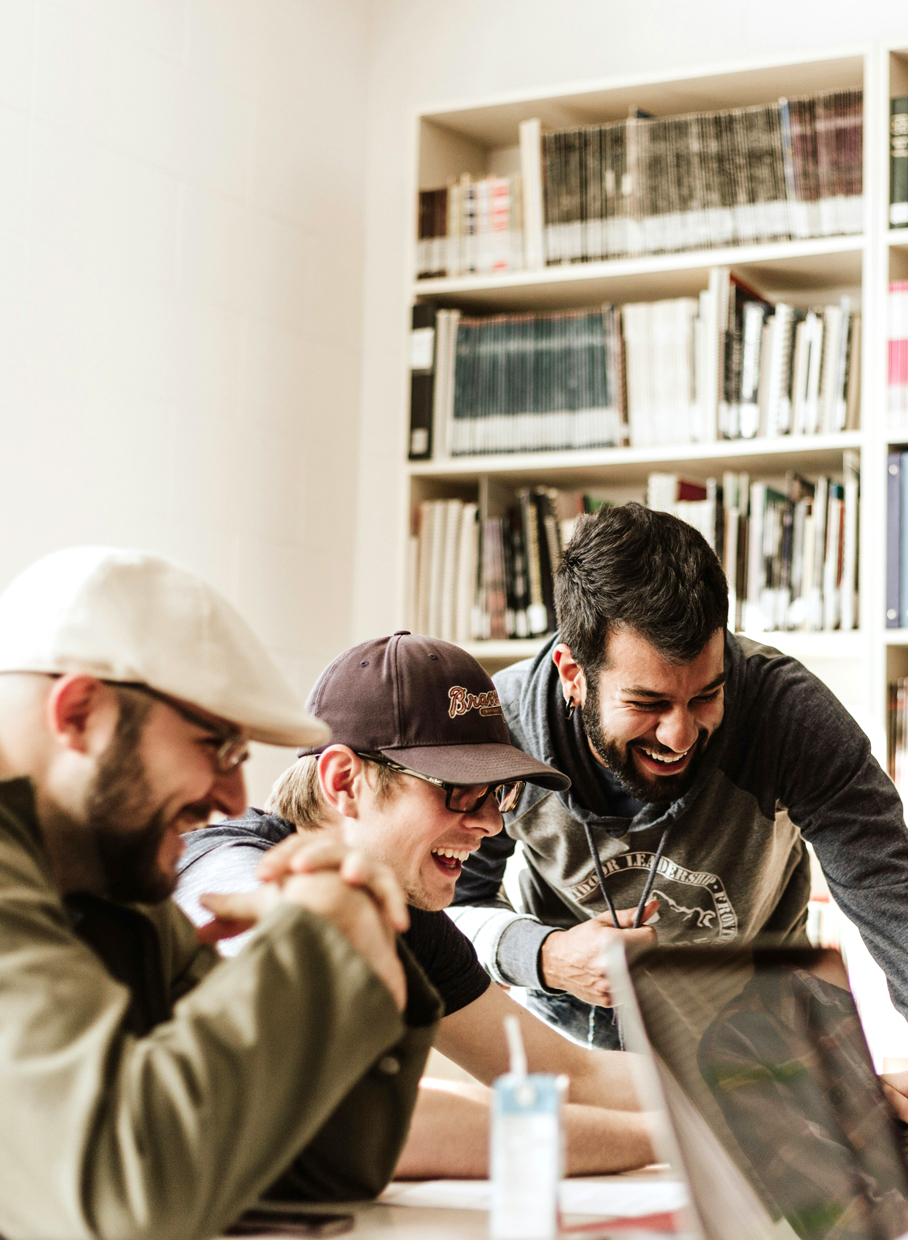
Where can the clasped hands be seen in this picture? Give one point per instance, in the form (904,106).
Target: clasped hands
(358,895)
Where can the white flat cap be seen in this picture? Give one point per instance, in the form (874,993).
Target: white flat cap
(137,618)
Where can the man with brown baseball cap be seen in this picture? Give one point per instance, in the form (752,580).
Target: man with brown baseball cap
(149,1089)
(416,776)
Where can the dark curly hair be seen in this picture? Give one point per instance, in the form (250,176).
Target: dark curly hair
(642,570)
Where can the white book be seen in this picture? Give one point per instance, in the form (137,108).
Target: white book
(424,571)
(769,329)
(465,593)
(753,616)
(831,592)
(818,559)
(832,335)
(437,567)
(531,177)
(778,411)
(800,366)
(448,608)
(812,417)
(730,560)
(840,393)
(440,385)
(751,347)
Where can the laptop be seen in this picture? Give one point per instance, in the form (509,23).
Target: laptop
(754,1061)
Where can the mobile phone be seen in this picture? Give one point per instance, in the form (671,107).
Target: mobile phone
(290,1221)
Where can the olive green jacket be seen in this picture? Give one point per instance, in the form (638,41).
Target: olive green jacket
(290,1061)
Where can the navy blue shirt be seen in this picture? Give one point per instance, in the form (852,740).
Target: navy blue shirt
(224,857)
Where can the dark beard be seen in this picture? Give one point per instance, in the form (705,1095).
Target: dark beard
(621,763)
(127,837)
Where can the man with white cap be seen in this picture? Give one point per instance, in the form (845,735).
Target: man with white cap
(146,1089)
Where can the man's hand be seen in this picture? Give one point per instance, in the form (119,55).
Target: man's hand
(359,896)
(572,959)
(895,1087)
(299,855)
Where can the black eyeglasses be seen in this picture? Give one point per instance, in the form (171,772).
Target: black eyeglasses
(460,798)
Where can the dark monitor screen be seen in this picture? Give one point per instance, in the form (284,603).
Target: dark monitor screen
(768,1047)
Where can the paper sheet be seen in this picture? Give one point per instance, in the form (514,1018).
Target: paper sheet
(603,1197)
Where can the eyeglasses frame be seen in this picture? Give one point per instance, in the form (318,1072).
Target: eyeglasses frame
(233,750)
(449,788)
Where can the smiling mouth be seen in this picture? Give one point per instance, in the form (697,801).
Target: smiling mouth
(659,763)
(450,860)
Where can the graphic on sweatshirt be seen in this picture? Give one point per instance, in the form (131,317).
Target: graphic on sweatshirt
(693,904)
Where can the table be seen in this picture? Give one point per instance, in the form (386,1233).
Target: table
(386,1221)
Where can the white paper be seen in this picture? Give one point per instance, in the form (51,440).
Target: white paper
(604,1197)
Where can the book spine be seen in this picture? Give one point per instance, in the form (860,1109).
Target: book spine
(422,381)
(898,162)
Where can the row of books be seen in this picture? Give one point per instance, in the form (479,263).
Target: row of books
(647,185)
(897,392)
(790,555)
(897,540)
(897,738)
(472,226)
(486,579)
(726,365)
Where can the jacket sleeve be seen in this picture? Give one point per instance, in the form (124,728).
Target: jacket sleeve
(507,943)
(818,760)
(171,1136)
(349,1159)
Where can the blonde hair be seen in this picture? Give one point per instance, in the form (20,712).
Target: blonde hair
(297,795)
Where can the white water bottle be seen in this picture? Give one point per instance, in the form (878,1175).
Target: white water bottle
(527,1148)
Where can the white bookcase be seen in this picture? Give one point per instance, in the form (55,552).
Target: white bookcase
(482,136)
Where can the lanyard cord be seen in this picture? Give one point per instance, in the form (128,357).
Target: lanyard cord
(647,886)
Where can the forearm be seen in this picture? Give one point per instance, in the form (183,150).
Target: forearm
(449,1136)
(605,1079)
(600,1141)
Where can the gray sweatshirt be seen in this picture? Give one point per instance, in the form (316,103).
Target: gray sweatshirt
(788,764)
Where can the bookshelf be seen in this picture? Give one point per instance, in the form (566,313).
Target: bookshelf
(481,137)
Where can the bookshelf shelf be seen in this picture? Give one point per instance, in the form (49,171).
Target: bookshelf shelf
(817,453)
(811,265)
(796,643)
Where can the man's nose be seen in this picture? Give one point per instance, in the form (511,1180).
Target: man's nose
(487,819)
(229,792)
(677,730)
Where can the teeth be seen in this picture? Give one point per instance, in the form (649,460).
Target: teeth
(665,758)
(458,854)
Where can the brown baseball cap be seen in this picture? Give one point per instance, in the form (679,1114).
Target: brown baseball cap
(425,704)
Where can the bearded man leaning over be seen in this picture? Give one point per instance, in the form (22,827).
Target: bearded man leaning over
(147,1088)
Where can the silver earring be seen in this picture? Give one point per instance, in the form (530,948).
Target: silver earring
(569,707)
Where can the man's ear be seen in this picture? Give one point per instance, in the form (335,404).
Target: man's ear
(573,681)
(82,713)
(341,776)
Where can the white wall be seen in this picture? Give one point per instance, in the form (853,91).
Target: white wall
(180,296)
(439,51)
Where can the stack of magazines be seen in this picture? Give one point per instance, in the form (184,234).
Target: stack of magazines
(652,185)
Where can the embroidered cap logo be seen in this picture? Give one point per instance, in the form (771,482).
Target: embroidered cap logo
(462,701)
